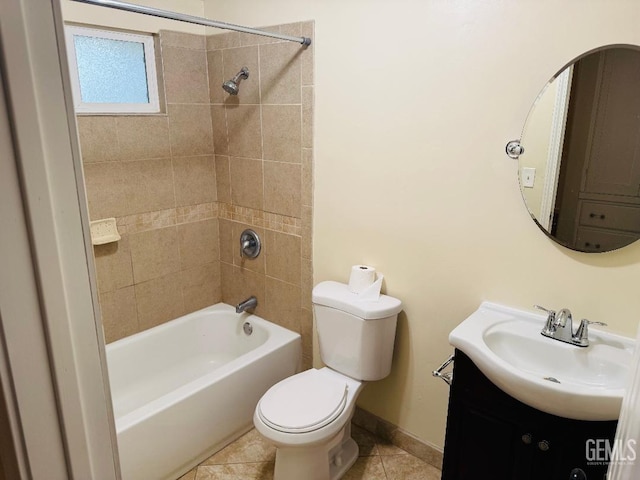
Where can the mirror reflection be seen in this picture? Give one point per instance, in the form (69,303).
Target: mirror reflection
(580,172)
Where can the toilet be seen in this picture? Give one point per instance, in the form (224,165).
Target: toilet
(308,416)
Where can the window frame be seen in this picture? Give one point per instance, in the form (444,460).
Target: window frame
(153,106)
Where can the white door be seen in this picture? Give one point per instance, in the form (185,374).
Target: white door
(55,414)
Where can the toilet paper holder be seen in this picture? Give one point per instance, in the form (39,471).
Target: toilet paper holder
(447,377)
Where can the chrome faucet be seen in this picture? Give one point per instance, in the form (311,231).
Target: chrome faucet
(248,304)
(559,326)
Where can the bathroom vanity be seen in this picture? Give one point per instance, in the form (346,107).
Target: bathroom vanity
(524,406)
(491,435)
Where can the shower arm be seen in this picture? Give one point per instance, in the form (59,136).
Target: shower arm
(156,12)
(242,74)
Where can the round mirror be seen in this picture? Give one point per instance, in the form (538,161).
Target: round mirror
(580,169)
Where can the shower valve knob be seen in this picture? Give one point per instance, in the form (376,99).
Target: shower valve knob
(249,244)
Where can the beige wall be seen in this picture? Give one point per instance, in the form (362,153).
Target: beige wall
(94,15)
(415,101)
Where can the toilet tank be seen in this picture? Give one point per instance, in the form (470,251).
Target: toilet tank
(355,336)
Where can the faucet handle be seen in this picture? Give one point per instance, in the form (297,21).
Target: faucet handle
(589,322)
(549,326)
(551,313)
(582,334)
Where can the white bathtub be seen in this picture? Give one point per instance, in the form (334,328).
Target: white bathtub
(185,389)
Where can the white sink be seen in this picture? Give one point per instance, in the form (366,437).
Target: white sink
(583,383)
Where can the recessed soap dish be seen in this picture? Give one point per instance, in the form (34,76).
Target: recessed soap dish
(104,231)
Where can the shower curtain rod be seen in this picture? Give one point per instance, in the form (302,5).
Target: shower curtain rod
(130,7)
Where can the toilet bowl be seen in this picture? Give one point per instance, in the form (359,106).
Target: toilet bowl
(308,415)
(308,418)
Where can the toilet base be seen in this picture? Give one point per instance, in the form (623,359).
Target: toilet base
(348,455)
(328,461)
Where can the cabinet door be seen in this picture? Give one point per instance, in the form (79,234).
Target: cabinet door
(576,441)
(599,240)
(493,436)
(482,446)
(547,458)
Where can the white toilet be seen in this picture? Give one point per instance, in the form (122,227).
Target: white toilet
(307,416)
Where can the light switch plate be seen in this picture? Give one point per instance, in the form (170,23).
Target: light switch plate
(528,177)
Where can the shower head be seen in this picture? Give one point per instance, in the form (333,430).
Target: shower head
(233,86)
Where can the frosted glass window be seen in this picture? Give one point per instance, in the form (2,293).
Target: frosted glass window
(112,71)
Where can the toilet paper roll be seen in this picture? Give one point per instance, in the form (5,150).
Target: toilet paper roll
(362,276)
(372,292)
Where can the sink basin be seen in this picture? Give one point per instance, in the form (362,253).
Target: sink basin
(583,383)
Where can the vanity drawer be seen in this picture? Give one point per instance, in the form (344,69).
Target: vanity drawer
(598,240)
(611,216)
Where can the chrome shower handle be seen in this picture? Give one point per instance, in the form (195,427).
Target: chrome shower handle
(243,246)
(249,244)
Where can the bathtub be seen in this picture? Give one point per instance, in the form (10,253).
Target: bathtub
(185,389)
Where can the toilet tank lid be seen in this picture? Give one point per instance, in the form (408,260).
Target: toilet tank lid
(337,295)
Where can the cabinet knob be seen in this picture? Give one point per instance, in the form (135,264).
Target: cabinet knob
(544,445)
(527,439)
(601,216)
(577,474)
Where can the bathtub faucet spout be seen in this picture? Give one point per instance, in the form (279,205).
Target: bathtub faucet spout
(249,304)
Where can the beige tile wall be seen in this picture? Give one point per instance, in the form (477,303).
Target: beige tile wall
(184,184)
(264,161)
(157,175)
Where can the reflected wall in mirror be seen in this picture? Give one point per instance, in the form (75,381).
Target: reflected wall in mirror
(580,172)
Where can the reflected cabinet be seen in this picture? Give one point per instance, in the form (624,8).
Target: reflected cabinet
(599,202)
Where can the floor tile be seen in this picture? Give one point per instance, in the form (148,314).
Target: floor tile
(236,471)
(408,467)
(190,475)
(251,447)
(366,468)
(385,448)
(366,441)
(252,458)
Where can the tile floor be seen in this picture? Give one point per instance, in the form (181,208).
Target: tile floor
(251,458)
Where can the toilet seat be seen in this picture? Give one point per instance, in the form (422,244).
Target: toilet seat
(303,403)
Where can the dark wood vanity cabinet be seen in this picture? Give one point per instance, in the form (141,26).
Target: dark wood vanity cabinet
(492,436)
